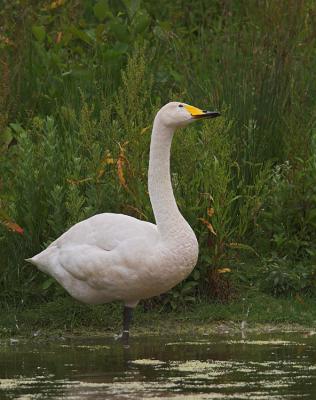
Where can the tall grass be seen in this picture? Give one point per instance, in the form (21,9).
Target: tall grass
(81,90)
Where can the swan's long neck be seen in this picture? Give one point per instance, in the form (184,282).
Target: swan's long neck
(168,217)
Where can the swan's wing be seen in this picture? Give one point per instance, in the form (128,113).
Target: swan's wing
(99,258)
(100,269)
(106,231)
(91,274)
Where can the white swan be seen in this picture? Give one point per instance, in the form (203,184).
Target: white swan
(117,257)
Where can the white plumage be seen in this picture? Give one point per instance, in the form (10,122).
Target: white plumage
(117,257)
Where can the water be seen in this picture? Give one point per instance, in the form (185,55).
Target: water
(265,366)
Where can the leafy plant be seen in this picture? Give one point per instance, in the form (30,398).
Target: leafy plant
(280,276)
(80,83)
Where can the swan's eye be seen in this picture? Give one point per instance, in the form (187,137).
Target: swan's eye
(180,105)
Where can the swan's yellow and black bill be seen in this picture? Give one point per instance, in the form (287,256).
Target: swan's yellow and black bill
(197,113)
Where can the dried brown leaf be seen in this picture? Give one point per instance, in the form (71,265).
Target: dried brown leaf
(208,225)
(210,211)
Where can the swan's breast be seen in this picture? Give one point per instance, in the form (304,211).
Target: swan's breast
(171,264)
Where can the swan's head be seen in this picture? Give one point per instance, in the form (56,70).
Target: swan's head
(176,114)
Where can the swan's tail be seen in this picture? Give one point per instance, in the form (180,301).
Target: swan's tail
(33,260)
(43,260)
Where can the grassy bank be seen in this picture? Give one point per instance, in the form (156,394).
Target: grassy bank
(66,316)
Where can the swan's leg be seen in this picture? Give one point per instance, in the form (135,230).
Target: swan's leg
(127,318)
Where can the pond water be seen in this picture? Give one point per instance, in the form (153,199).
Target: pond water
(261,366)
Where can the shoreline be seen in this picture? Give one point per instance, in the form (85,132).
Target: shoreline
(66,317)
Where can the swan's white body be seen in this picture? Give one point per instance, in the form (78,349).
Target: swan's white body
(117,257)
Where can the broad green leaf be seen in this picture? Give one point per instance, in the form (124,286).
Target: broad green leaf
(80,34)
(121,47)
(141,22)
(39,32)
(47,283)
(101,10)
(132,7)
(119,30)
(6,136)
(99,30)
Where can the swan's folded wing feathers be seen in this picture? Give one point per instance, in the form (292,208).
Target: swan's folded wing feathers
(85,262)
(96,267)
(106,231)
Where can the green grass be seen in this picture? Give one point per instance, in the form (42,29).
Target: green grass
(66,316)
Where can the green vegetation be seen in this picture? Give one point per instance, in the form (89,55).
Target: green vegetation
(80,83)
(64,316)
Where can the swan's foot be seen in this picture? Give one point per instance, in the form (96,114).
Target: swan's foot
(127,318)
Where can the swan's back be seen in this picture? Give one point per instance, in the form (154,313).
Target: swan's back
(106,231)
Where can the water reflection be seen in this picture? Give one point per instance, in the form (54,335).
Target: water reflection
(261,366)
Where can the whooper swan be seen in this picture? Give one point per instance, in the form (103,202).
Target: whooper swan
(117,257)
